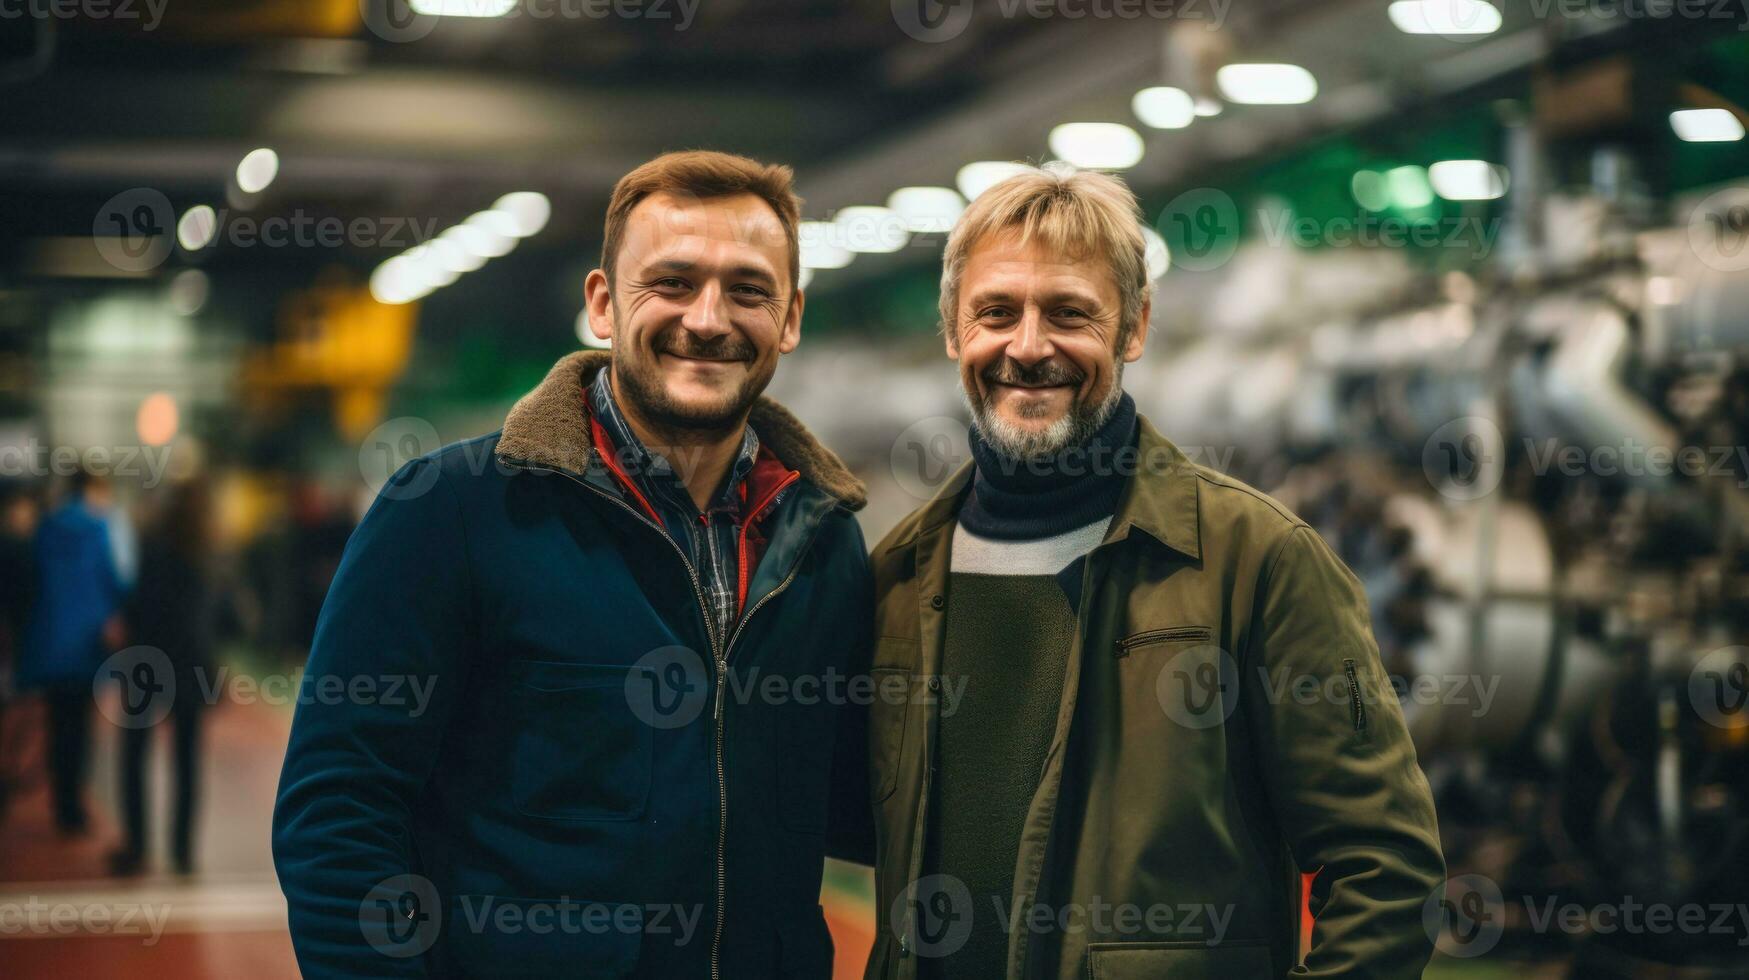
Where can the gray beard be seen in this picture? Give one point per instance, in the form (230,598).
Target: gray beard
(1076,426)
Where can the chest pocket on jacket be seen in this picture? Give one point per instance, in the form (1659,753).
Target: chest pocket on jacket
(578,752)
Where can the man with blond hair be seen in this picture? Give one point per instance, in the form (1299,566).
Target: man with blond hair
(1130,783)
(571,707)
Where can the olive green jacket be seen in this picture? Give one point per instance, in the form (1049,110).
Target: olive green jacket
(1222,730)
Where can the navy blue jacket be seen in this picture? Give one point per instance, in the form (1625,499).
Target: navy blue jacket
(517,749)
(77,591)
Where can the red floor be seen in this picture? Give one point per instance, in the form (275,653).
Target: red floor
(226,921)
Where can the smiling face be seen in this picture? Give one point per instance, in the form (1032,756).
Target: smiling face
(699,308)
(1037,338)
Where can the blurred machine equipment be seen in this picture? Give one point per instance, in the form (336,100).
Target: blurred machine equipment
(1541,473)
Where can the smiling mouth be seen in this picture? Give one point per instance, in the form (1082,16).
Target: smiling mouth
(702,360)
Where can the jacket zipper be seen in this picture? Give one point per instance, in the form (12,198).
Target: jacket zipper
(722,669)
(1356,704)
(720,657)
(1128,643)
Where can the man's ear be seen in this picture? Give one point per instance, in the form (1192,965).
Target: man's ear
(1133,346)
(792,324)
(598,300)
(950,339)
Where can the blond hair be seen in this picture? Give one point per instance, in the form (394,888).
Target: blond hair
(1078,214)
(704,173)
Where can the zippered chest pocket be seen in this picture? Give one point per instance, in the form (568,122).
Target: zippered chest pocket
(1165,634)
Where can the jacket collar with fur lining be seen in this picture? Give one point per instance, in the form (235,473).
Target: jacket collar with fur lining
(549,426)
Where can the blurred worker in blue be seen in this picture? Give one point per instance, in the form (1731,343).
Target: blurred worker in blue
(76,620)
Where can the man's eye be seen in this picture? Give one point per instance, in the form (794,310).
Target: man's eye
(747,289)
(993,313)
(1070,313)
(669,282)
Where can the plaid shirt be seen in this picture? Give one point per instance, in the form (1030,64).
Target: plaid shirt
(710,538)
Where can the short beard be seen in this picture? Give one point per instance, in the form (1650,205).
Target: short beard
(1076,426)
(644,388)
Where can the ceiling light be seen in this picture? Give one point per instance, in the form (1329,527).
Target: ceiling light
(257,170)
(482,235)
(1369,190)
(528,211)
(1095,145)
(1266,84)
(1451,17)
(820,247)
(463,8)
(1206,106)
(197,228)
(1467,180)
(1164,107)
(927,209)
(1706,125)
(866,228)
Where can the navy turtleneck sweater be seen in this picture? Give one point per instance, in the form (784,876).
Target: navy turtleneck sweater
(1017,500)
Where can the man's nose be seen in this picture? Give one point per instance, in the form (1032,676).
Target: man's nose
(1031,342)
(706,316)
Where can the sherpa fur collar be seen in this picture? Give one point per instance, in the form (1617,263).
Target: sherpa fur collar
(549,426)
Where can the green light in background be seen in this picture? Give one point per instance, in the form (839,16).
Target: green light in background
(1370,190)
(1408,187)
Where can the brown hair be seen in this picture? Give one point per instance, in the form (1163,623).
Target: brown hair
(705,173)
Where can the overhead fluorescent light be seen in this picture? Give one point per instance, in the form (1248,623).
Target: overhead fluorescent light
(257,170)
(464,8)
(1266,84)
(1706,125)
(1164,107)
(1467,180)
(1097,145)
(528,211)
(819,246)
(1447,17)
(867,228)
(927,209)
(198,227)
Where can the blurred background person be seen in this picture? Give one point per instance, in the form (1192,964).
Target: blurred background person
(73,623)
(18,517)
(172,609)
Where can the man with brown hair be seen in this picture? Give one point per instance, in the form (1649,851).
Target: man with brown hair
(628,609)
